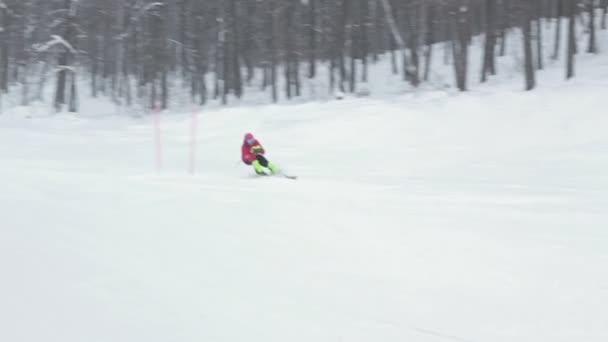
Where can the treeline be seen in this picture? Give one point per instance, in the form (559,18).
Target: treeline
(135,51)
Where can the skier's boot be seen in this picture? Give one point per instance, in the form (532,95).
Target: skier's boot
(273,168)
(259,169)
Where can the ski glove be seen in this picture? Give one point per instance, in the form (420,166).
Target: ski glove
(257,150)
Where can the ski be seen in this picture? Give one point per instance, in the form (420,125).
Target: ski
(292,177)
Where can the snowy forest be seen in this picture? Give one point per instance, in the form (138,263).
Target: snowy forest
(145,52)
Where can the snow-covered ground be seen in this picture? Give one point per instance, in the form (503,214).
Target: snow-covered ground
(429,216)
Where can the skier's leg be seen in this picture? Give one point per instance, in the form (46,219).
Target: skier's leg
(273,168)
(257,166)
(265,163)
(262,160)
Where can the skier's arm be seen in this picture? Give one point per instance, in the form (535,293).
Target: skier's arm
(257,149)
(245,154)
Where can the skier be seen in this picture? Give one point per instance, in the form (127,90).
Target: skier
(252,153)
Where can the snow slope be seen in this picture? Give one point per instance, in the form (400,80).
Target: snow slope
(431,216)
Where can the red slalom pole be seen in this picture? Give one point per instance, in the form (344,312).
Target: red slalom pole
(193,140)
(157,139)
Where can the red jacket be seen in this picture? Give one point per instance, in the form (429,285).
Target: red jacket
(250,152)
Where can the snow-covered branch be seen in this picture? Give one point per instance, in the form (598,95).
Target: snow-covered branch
(55,40)
(147,8)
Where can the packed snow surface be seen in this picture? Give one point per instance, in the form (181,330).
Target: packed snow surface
(430,216)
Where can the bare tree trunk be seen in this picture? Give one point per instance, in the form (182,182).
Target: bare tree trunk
(364,43)
(126,54)
(296,74)
(527,40)
(25,88)
(505,24)
(539,35)
(571,39)
(203,56)
(429,39)
(237,78)
(273,36)
(24,51)
(460,44)
(226,70)
(4,46)
(393,48)
(604,13)
(312,39)
(163,56)
(558,29)
(331,39)
(73,103)
(289,62)
(394,30)
(248,40)
(344,20)
(352,45)
(374,29)
(65,57)
(489,59)
(106,49)
(592,48)
(93,52)
(412,20)
(220,58)
(153,95)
